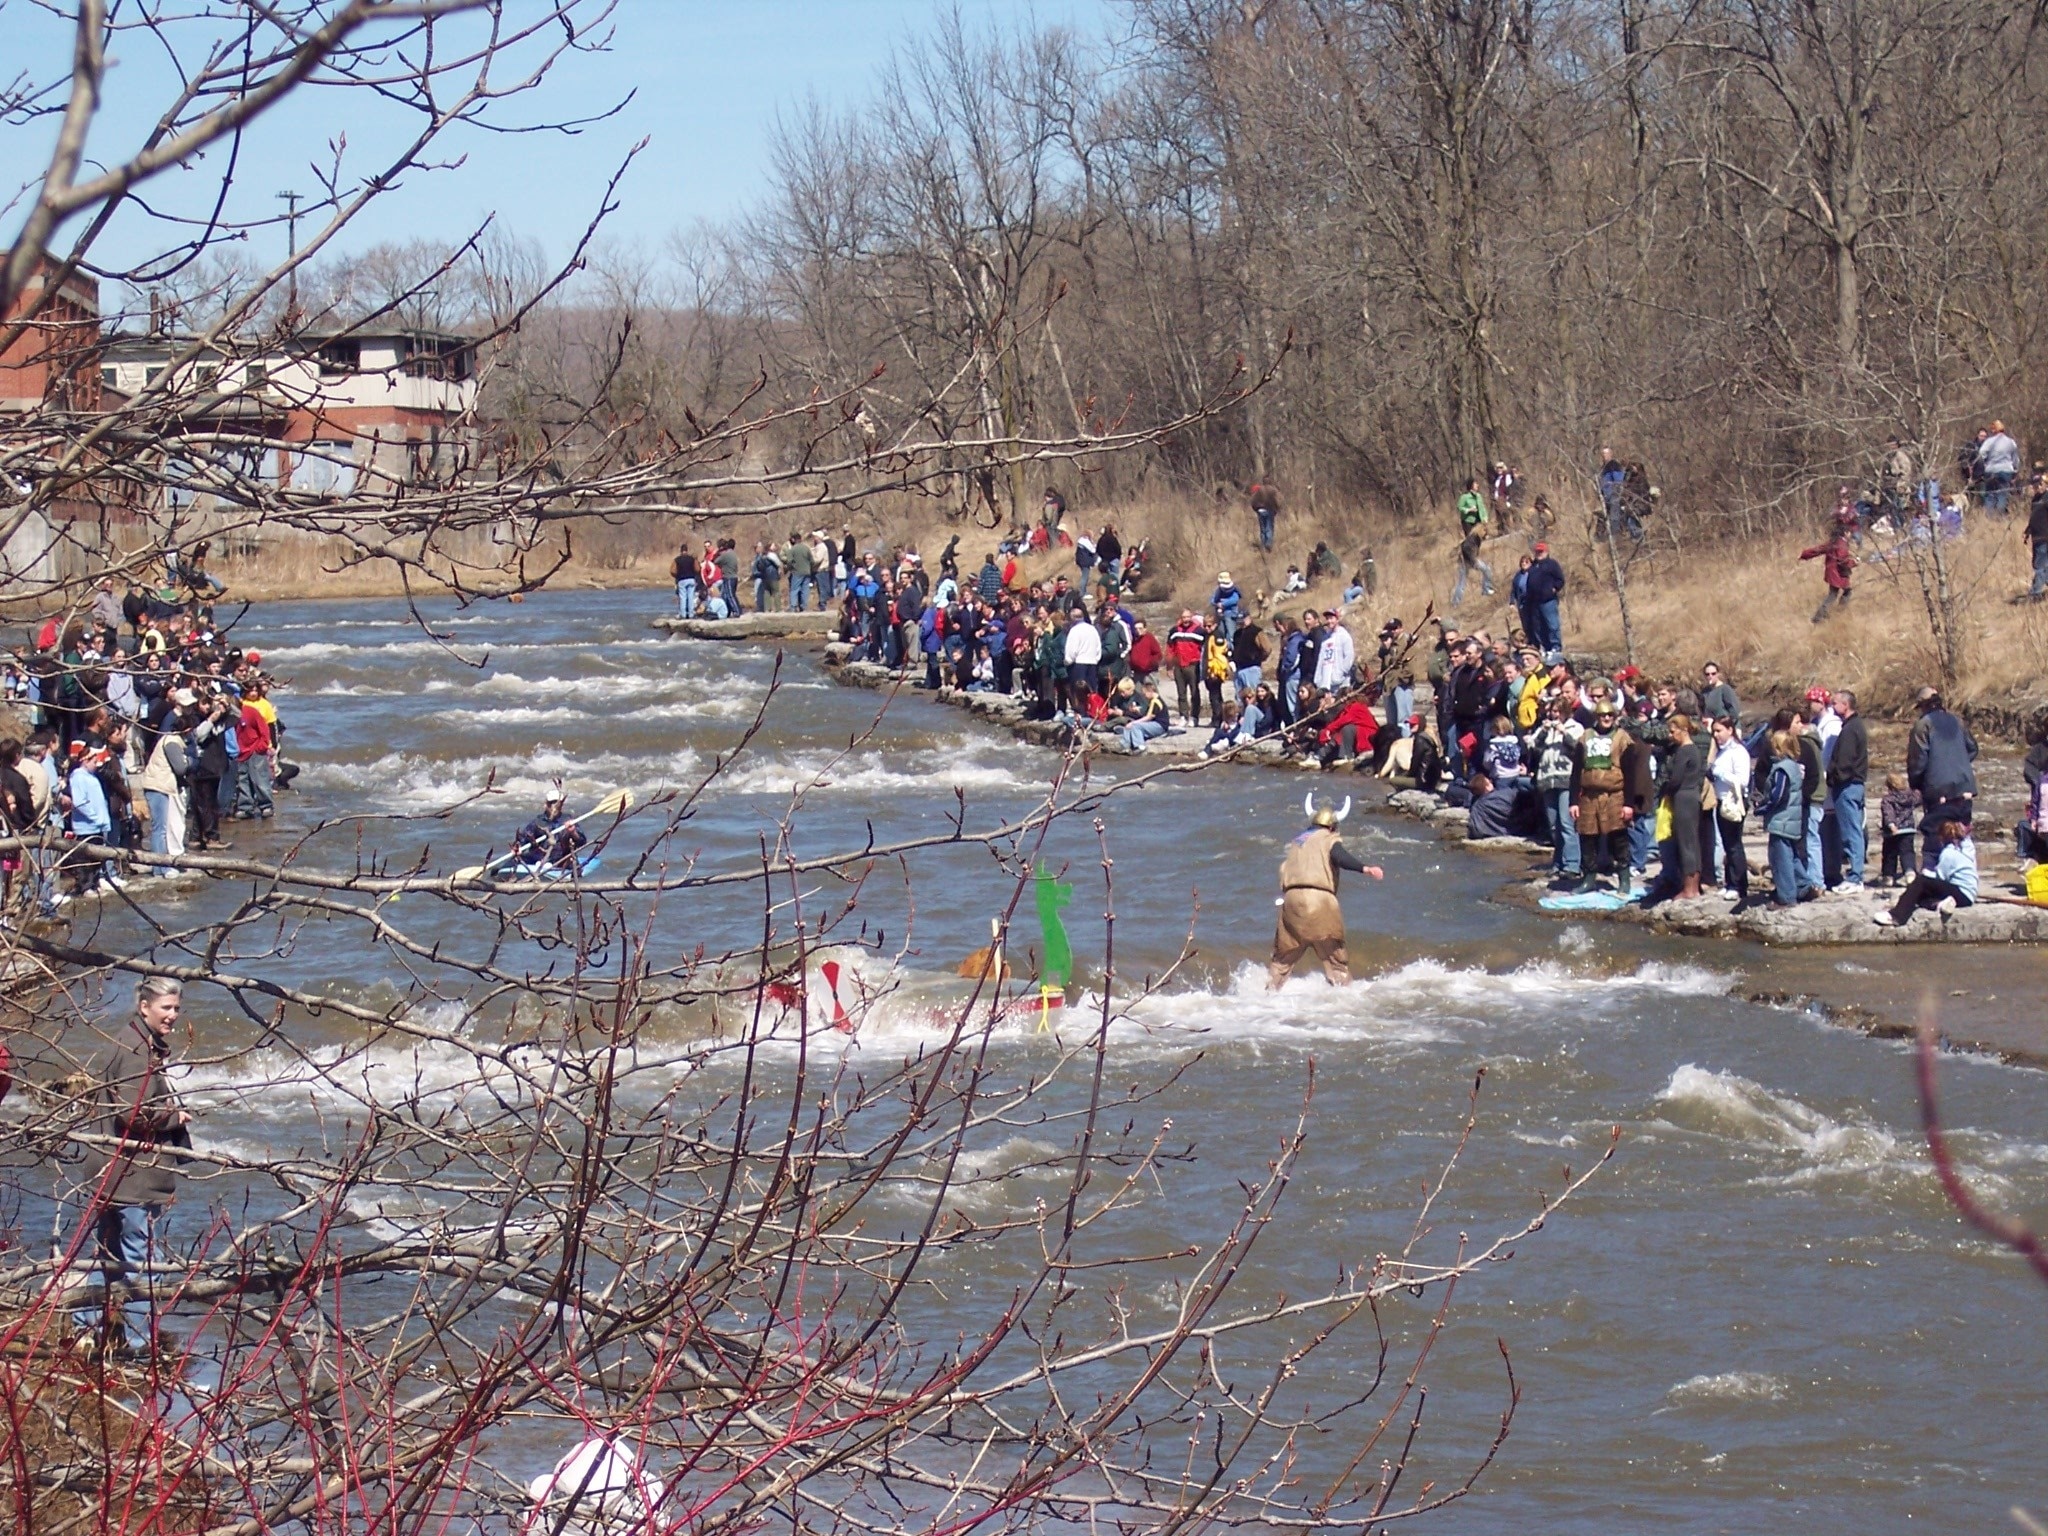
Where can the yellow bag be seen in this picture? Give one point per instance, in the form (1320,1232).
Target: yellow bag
(1663,832)
(2037,885)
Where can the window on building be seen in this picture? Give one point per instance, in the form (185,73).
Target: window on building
(326,469)
(110,378)
(339,358)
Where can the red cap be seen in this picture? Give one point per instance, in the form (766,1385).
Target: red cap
(1542,549)
(1817,696)
(254,658)
(1628,674)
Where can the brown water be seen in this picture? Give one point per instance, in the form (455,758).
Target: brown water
(1763,1317)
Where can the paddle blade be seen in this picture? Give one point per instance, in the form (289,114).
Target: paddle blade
(473,872)
(617,803)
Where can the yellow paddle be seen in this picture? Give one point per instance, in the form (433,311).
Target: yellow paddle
(617,803)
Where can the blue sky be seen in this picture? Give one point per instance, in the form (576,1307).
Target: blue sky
(708,78)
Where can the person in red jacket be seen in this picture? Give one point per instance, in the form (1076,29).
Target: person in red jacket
(1349,732)
(1841,560)
(1184,649)
(1147,654)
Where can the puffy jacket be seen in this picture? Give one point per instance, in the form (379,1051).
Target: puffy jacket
(1938,757)
(1780,809)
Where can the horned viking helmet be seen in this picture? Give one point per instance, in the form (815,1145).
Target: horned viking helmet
(1323,817)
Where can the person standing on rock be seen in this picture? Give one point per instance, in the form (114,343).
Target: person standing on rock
(1336,654)
(728,563)
(1184,645)
(684,571)
(1600,809)
(1940,753)
(1783,818)
(1848,775)
(1310,916)
(1083,657)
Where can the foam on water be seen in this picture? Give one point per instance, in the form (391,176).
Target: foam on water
(1415,1005)
(1729,1387)
(963,764)
(409,781)
(605,690)
(1816,1147)
(276,1085)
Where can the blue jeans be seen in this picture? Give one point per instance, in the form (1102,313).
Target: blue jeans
(1996,489)
(1641,838)
(127,1246)
(686,599)
(159,805)
(1785,870)
(1549,627)
(799,588)
(1564,832)
(1464,569)
(2040,586)
(252,786)
(1810,851)
(1851,836)
(1248,678)
(1265,528)
(1138,732)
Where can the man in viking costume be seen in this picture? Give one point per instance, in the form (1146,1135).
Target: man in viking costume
(1310,917)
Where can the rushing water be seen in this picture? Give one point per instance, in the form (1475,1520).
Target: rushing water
(1761,1317)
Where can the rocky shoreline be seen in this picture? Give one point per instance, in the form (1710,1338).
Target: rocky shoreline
(1832,919)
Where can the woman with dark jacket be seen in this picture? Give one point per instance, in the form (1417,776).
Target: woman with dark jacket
(1682,782)
(208,765)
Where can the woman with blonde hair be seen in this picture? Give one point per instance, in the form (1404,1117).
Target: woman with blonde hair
(1783,817)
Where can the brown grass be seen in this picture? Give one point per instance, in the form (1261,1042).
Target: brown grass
(1748,606)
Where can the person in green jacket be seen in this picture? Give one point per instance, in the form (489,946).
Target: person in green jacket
(1472,519)
(801,569)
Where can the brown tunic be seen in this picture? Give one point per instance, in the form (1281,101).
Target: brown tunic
(1598,783)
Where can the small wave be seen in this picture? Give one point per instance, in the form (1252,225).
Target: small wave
(1820,1147)
(356,691)
(407,781)
(1730,1387)
(961,765)
(692,691)
(568,714)
(276,1086)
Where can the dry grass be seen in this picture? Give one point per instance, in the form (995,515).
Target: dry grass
(1747,607)
(296,567)
(1750,608)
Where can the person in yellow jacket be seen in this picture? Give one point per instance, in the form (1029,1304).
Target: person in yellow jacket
(1216,668)
(1310,917)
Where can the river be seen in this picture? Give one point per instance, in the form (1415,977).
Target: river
(1761,1316)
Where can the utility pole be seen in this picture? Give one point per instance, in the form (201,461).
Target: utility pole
(291,218)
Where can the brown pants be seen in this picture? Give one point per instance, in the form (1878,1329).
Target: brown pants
(1309,920)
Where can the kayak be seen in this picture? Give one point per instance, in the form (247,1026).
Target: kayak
(580,867)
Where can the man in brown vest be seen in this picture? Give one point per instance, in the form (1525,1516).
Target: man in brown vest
(1310,917)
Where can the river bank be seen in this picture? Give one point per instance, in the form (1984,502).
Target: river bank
(1898,975)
